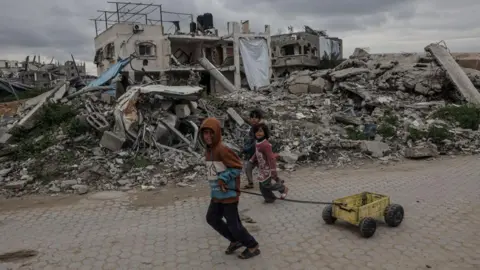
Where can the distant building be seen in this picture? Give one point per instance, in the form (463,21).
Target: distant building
(303,50)
(170,57)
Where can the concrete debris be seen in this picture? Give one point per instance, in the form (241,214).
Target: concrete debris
(375,148)
(235,116)
(454,72)
(381,107)
(421,151)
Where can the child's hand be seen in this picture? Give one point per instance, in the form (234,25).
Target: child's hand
(222,186)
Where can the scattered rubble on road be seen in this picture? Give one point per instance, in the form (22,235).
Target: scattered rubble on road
(73,139)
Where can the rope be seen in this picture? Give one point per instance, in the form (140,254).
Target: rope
(288,200)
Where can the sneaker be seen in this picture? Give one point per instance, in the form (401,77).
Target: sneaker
(284,194)
(248,186)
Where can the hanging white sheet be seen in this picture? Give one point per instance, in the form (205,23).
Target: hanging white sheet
(256,60)
(325,47)
(335,47)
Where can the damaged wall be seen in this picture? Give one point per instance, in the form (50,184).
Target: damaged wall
(150,45)
(302,50)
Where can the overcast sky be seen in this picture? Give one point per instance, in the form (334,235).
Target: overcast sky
(58,28)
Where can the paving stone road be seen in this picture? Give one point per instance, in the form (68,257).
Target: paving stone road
(441,229)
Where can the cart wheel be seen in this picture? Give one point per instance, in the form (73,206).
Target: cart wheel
(394,215)
(327,215)
(368,226)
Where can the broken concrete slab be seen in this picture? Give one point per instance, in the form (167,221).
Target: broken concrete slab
(80,189)
(319,85)
(68,183)
(28,121)
(455,73)
(288,157)
(421,151)
(235,116)
(303,80)
(60,93)
(35,100)
(375,148)
(182,110)
(16,184)
(347,119)
(298,89)
(112,141)
(349,72)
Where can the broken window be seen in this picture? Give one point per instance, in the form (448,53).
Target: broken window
(146,49)
(98,57)
(110,51)
(288,50)
(306,49)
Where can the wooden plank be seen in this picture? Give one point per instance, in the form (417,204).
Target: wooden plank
(455,73)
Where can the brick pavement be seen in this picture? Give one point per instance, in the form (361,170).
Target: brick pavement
(440,230)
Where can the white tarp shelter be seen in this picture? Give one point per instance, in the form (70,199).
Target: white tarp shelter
(256,61)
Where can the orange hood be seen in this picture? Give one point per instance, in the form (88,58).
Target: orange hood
(213,124)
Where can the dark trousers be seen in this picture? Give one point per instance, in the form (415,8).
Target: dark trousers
(233,229)
(267,188)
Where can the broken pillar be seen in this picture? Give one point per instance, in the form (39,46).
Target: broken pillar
(454,72)
(60,93)
(182,110)
(235,116)
(29,120)
(112,141)
(207,65)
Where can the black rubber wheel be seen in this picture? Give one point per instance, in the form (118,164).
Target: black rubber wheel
(394,215)
(368,226)
(327,215)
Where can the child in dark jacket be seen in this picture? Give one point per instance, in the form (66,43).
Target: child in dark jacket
(267,164)
(256,117)
(223,173)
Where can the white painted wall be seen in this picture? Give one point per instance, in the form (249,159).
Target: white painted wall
(126,43)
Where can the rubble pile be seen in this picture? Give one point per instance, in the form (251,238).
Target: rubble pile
(381,106)
(369,106)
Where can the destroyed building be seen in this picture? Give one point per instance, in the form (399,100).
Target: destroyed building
(175,57)
(303,50)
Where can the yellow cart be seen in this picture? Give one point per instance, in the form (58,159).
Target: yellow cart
(362,210)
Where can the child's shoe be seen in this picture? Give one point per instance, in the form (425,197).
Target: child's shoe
(284,194)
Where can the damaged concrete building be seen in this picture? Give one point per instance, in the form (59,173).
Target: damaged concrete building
(195,56)
(303,50)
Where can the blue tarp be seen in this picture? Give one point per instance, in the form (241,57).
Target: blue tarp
(111,73)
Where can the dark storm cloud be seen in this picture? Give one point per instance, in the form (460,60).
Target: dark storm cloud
(58,28)
(323,8)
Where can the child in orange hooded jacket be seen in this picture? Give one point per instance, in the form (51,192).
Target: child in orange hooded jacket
(223,173)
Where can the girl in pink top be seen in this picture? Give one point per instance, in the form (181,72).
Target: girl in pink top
(266,160)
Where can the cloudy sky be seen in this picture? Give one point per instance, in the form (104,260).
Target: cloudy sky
(58,28)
